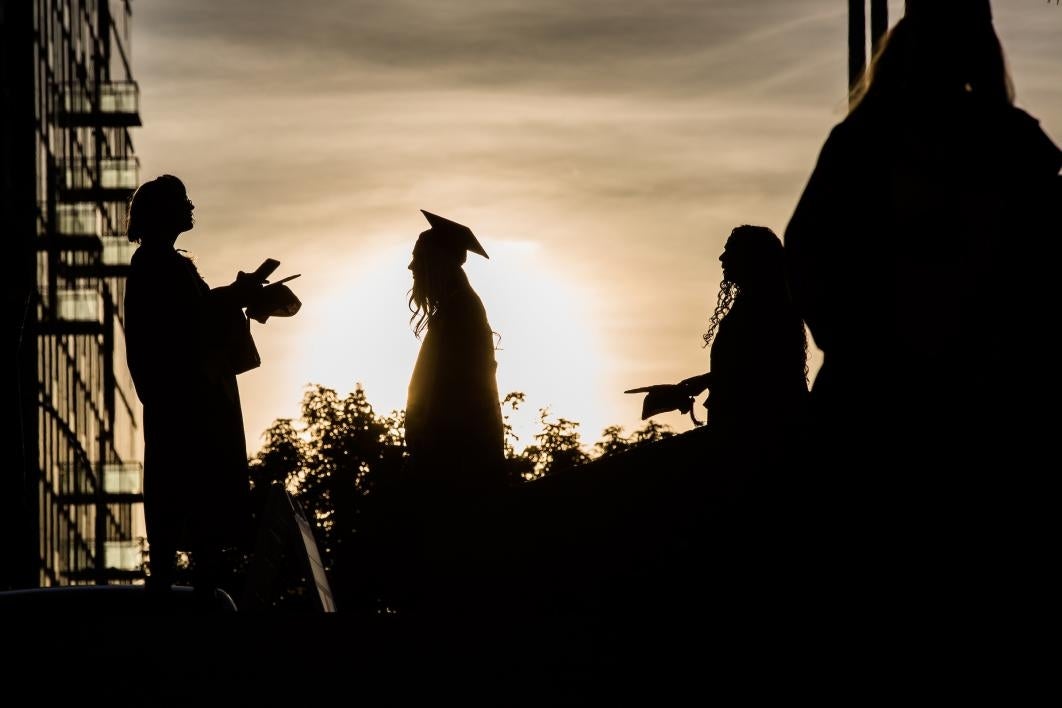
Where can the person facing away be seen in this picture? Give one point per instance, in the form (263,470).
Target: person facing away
(758,362)
(921,255)
(920,245)
(454,426)
(180,337)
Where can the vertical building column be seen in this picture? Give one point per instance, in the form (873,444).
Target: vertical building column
(857,41)
(879,22)
(857,35)
(19,476)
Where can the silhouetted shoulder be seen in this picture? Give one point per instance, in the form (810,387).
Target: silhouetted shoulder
(1031,144)
(462,308)
(148,270)
(845,149)
(841,135)
(142,258)
(147,258)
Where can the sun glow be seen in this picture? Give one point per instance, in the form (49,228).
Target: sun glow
(546,340)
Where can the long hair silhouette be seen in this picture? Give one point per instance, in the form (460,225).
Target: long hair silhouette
(433,279)
(763,260)
(961,58)
(756,263)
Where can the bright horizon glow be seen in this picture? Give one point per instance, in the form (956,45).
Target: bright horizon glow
(548,347)
(601,150)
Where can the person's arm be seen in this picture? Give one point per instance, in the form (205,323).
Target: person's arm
(695,385)
(239,293)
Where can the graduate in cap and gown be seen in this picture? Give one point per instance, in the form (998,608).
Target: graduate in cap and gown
(453,416)
(432,526)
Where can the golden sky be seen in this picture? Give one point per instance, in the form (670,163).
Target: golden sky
(601,150)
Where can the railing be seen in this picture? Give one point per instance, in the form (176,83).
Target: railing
(123,477)
(75,479)
(78,220)
(121,173)
(123,555)
(116,174)
(76,174)
(81,227)
(120,97)
(122,483)
(117,250)
(79,306)
(115,103)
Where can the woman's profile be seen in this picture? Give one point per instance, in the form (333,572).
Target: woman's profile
(757,383)
(182,346)
(757,378)
(719,497)
(430,527)
(453,416)
(758,362)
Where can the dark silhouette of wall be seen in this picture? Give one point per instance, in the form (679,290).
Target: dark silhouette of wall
(18,390)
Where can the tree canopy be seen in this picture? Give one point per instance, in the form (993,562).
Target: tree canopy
(341,450)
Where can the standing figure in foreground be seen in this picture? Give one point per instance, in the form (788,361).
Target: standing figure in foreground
(453,418)
(922,254)
(180,344)
(435,524)
(758,377)
(925,222)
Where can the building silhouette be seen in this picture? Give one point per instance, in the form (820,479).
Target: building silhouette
(70,479)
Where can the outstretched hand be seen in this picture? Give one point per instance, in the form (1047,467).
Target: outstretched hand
(246,287)
(694,385)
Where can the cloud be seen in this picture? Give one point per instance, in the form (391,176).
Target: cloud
(623,139)
(587,46)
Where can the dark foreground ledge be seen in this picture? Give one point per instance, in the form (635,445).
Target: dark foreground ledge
(110,601)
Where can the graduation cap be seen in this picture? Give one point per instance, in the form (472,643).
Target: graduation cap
(662,398)
(450,237)
(275,300)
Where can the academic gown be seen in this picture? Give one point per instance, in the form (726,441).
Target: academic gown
(453,417)
(758,362)
(178,335)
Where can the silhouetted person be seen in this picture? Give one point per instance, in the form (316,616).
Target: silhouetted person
(180,338)
(741,468)
(758,375)
(453,417)
(691,523)
(439,525)
(922,254)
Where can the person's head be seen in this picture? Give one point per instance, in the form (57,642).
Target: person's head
(159,210)
(753,255)
(938,53)
(753,262)
(436,266)
(434,272)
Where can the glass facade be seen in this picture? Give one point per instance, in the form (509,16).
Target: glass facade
(74,103)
